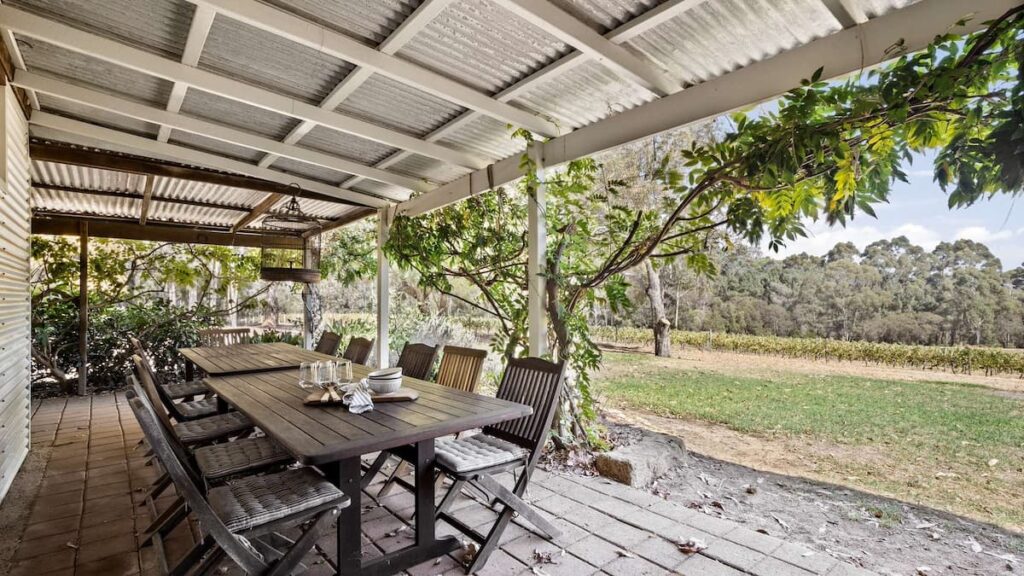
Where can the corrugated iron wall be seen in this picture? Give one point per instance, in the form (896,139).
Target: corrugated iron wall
(15,312)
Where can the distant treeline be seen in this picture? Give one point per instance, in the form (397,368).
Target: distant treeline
(892,292)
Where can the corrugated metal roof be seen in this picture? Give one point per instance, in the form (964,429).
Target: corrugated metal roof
(585,94)
(311,171)
(482,45)
(159,26)
(723,35)
(179,189)
(215,146)
(875,8)
(485,134)
(195,215)
(433,170)
(92,72)
(64,202)
(368,20)
(390,103)
(605,15)
(236,114)
(345,145)
(96,116)
(86,178)
(260,58)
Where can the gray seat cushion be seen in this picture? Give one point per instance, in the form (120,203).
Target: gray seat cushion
(212,428)
(244,455)
(198,408)
(476,452)
(256,500)
(177,390)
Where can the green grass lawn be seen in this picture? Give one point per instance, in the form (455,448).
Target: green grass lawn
(929,425)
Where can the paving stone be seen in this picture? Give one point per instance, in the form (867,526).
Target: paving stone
(562,565)
(698,565)
(43,564)
(844,569)
(40,529)
(502,564)
(571,533)
(42,512)
(734,554)
(48,544)
(660,525)
(633,567)
(595,551)
(813,560)
(526,548)
(621,533)
(434,567)
(775,567)
(126,564)
(112,546)
(587,518)
(557,504)
(660,551)
(761,542)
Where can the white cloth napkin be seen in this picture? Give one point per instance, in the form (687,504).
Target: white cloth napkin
(357,397)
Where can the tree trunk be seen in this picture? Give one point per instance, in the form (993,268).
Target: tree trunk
(659,321)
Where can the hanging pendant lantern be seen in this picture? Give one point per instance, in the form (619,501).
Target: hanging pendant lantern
(286,263)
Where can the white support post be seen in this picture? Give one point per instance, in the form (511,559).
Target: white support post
(309,300)
(537,242)
(384,217)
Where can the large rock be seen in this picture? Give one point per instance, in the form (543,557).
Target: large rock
(642,462)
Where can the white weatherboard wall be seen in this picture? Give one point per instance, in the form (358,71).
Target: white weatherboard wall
(15,320)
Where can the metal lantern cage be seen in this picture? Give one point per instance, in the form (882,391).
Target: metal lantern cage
(280,263)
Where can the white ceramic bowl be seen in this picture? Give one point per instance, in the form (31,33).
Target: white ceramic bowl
(384,386)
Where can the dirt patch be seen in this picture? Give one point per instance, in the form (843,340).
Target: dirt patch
(17,503)
(783,489)
(773,366)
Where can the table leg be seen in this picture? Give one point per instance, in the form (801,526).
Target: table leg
(190,370)
(345,474)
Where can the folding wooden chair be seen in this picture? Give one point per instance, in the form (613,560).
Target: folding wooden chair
(460,369)
(328,344)
(186,390)
(358,350)
(416,360)
(242,520)
(508,446)
(181,411)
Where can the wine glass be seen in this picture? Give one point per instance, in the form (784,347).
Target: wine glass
(308,375)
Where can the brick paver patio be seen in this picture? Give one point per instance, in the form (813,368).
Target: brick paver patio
(87,511)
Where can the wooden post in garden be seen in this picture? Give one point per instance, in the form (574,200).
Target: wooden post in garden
(83,306)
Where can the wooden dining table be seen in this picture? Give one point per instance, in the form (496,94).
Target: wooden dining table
(244,358)
(334,440)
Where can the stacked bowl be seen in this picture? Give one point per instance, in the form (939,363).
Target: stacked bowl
(385,381)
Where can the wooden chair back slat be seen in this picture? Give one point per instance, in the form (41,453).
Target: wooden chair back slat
(416,360)
(149,386)
(461,368)
(328,344)
(538,384)
(189,490)
(224,336)
(358,350)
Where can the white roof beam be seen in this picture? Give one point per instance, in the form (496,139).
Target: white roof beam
(124,141)
(401,36)
(131,109)
(198,31)
(142,61)
(328,41)
(839,54)
(567,28)
(635,27)
(847,16)
(19,62)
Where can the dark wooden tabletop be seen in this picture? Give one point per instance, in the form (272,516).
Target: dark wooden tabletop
(324,434)
(242,358)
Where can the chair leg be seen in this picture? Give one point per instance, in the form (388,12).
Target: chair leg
(389,484)
(517,504)
(211,562)
(166,522)
(491,542)
(192,557)
(373,470)
(157,487)
(305,542)
(449,497)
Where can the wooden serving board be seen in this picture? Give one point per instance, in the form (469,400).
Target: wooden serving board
(402,395)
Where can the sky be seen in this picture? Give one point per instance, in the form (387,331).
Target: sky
(918,210)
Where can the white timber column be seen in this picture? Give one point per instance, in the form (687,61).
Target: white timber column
(310,299)
(537,243)
(384,218)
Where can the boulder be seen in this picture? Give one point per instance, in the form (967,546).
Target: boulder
(642,462)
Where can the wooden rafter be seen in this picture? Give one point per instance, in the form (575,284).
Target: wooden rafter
(259,210)
(122,163)
(130,229)
(352,216)
(135,196)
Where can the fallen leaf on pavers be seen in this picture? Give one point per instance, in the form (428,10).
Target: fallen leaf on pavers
(538,571)
(974,546)
(717,504)
(469,550)
(396,532)
(547,557)
(624,554)
(993,462)
(692,546)
(762,531)
(71,545)
(923,570)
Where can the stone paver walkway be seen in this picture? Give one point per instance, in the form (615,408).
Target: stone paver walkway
(87,512)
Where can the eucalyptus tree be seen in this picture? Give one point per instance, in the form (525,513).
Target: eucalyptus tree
(828,151)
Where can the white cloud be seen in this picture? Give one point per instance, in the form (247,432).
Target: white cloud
(984,235)
(822,237)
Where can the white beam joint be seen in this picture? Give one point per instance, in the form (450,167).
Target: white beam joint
(198,31)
